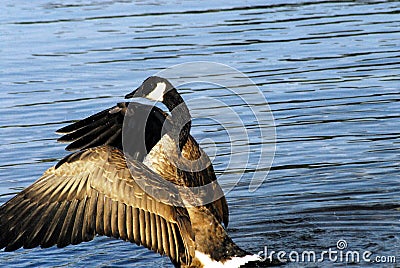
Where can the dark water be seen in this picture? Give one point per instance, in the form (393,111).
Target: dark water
(329,70)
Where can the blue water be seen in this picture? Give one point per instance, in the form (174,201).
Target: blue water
(329,71)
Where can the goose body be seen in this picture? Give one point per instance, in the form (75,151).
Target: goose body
(98,190)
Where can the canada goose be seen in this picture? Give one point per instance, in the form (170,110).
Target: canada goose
(93,192)
(145,123)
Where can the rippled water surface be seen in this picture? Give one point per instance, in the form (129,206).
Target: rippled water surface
(329,70)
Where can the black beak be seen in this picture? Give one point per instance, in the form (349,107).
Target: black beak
(133,93)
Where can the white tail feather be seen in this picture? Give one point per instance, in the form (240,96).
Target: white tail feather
(207,262)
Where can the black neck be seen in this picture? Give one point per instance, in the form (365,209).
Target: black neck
(181,119)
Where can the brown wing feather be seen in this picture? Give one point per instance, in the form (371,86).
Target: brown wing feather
(93,192)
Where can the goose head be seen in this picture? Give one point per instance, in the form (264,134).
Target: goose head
(157,89)
(160,89)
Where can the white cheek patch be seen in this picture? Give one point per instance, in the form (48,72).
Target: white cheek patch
(158,92)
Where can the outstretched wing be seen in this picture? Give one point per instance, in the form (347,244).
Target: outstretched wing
(144,132)
(105,128)
(93,192)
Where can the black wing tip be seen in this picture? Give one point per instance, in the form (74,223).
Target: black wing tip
(63,139)
(67,129)
(83,133)
(78,124)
